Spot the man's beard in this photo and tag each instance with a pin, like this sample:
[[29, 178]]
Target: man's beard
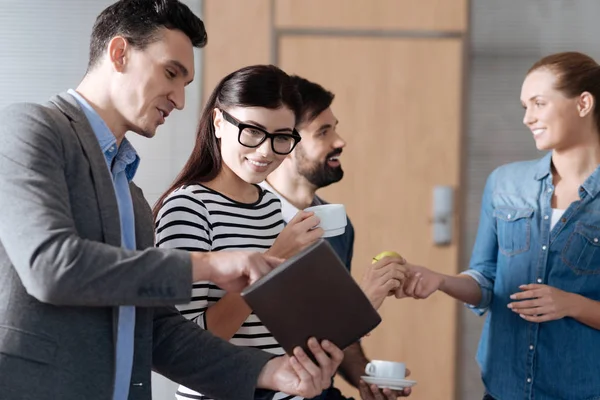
[[318, 173]]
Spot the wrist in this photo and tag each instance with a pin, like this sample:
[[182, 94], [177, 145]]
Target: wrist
[[368, 293], [201, 266], [353, 376], [576, 305], [271, 252], [443, 283], [265, 378], [353, 365]]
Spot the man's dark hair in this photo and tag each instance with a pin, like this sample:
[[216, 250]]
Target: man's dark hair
[[315, 99], [139, 21]]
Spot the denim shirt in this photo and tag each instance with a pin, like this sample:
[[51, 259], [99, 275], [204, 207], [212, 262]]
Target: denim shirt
[[522, 360]]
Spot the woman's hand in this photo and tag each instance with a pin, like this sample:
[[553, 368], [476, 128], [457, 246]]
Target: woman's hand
[[299, 233], [542, 303]]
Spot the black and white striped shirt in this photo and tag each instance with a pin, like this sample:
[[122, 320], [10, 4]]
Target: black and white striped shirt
[[197, 218]]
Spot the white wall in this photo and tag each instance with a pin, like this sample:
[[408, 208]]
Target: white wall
[[44, 51]]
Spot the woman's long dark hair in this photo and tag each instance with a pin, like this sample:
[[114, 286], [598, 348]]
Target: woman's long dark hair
[[254, 86]]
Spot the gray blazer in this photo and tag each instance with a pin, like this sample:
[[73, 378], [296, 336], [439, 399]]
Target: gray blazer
[[62, 274]]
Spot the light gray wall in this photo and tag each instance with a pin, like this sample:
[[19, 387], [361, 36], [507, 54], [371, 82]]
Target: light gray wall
[[507, 37]]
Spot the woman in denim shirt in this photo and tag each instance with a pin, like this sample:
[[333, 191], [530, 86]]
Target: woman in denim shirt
[[535, 266]]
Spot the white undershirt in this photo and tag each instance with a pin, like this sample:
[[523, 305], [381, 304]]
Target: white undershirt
[[556, 214]]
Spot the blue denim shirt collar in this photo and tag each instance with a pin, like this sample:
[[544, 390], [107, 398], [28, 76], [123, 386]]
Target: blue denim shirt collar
[[592, 183], [543, 169]]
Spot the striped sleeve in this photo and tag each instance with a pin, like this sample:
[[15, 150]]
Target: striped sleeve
[[183, 223]]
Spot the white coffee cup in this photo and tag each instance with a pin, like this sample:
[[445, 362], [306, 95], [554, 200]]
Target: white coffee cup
[[386, 369], [333, 218]]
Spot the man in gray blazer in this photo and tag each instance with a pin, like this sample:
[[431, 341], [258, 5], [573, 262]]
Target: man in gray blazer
[[85, 299]]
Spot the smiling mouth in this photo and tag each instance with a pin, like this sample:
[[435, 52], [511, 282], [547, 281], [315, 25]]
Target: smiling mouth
[[537, 132], [333, 162], [163, 113], [258, 164]]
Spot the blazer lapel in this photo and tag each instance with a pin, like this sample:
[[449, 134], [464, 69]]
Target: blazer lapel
[[103, 184], [144, 223], [105, 192]]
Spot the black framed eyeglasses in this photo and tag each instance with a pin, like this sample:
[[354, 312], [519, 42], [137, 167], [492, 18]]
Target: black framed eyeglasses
[[253, 136]]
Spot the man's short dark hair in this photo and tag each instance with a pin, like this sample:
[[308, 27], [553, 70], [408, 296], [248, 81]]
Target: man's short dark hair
[[139, 21], [315, 99]]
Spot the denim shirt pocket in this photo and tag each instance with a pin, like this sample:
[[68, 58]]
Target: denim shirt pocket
[[514, 229], [582, 251]]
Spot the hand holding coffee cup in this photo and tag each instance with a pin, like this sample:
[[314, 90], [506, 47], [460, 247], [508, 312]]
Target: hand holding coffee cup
[[298, 234], [332, 218], [386, 369]]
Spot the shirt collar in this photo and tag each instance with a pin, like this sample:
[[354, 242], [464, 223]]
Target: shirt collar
[[107, 141], [592, 183], [543, 169], [130, 158]]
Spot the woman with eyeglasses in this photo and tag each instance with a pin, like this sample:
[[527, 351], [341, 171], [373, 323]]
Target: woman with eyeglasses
[[215, 204]]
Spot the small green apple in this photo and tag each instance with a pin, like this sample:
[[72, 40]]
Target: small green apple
[[385, 254]]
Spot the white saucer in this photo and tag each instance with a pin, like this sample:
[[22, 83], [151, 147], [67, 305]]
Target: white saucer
[[394, 384]]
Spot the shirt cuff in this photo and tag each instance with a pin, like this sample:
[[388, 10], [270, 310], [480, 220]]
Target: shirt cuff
[[487, 290]]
